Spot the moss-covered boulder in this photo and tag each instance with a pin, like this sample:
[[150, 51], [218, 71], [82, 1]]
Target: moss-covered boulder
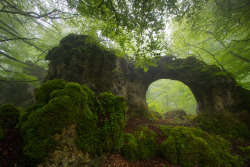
[[9, 116], [98, 122], [226, 124], [141, 145], [190, 146], [179, 114]]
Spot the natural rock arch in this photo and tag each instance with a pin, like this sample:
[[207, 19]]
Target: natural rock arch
[[80, 59]]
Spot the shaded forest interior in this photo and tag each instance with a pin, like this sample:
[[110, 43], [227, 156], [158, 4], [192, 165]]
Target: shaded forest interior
[[124, 83]]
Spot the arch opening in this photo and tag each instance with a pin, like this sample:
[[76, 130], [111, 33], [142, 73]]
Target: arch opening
[[166, 95]]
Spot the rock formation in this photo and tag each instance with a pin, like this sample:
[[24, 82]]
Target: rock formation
[[79, 58], [21, 94]]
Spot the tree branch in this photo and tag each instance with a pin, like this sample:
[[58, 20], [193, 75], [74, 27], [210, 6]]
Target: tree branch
[[207, 52], [230, 52], [12, 58], [21, 39], [11, 39]]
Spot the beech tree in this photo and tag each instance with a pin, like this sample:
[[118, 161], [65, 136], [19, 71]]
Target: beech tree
[[28, 30], [217, 34]]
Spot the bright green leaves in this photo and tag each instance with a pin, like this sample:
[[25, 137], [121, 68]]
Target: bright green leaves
[[167, 95], [216, 33], [135, 27]]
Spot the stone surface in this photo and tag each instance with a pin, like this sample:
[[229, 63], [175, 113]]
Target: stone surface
[[66, 153], [81, 60]]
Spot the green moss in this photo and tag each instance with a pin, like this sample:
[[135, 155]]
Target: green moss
[[111, 112], [246, 149], [225, 124], [169, 151], [190, 146], [147, 145], [42, 95], [61, 104], [130, 147], [9, 116], [140, 145], [1, 133]]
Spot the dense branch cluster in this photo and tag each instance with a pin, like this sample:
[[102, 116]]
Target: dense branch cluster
[[19, 26]]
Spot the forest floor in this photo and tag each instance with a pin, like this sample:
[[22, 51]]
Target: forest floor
[[11, 149], [133, 124], [12, 144]]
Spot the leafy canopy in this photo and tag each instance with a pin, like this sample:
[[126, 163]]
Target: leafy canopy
[[215, 31]]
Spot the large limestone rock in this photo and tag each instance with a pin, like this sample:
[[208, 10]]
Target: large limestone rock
[[79, 58]]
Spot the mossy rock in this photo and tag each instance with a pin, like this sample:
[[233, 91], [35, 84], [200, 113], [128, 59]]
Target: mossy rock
[[61, 104], [111, 112], [141, 145], [225, 123], [190, 146], [42, 95], [130, 147], [9, 116], [179, 114]]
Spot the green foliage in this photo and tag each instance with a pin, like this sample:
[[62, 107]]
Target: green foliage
[[217, 33], [190, 146], [167, 95], [61, 104], [225, 124], [141, 145], [9, 116], [246, 149]]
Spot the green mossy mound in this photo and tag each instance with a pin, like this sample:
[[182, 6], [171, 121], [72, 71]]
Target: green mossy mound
[[99, 120], [42, 95], [190, 146], [226, 124], [9, 116], [141, 145]]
